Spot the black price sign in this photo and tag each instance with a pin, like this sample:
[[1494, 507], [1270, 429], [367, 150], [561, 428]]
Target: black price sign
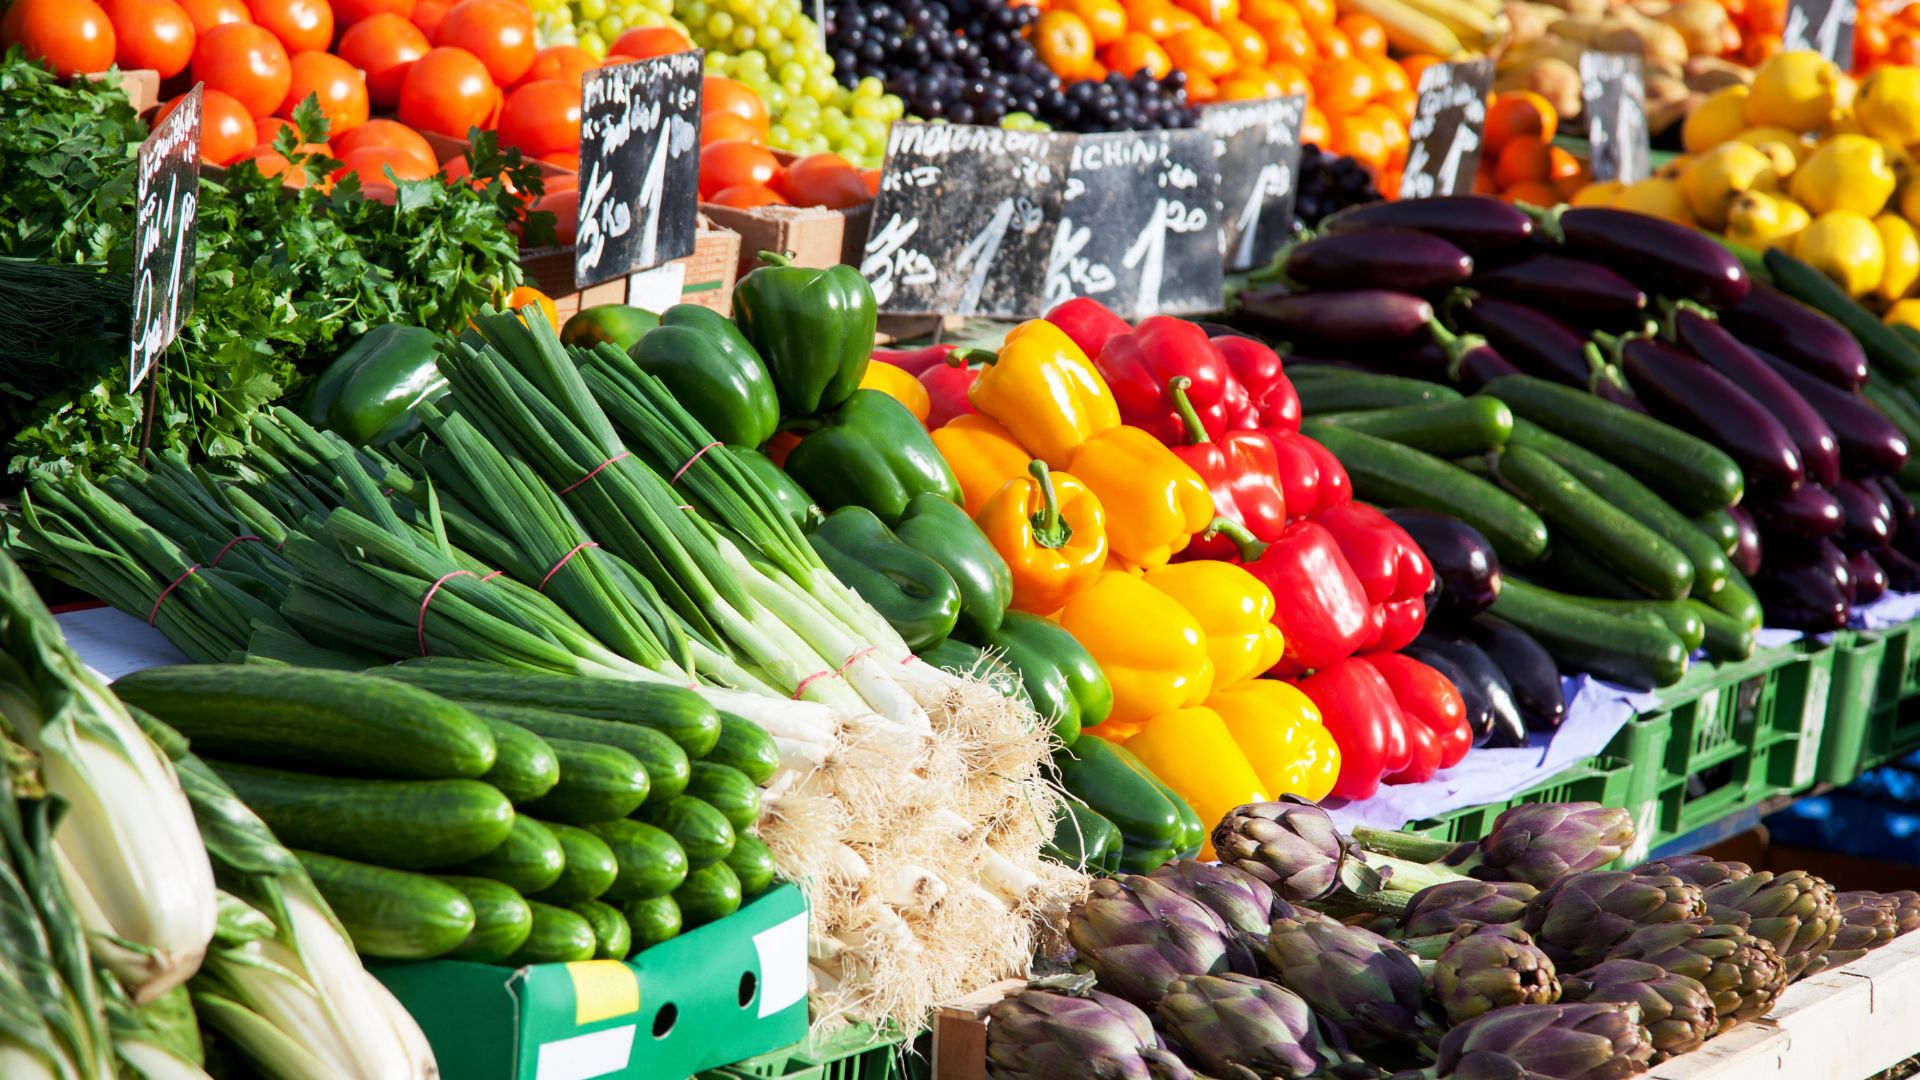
[[1445, 133], [1257, 149], [166, 203], [1825, 26], [1140, 231], [1614, 92], [964, 219], [639, 166]]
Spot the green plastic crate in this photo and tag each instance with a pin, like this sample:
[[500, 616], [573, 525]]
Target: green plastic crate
[[854, 1053], [1868, 669], [1900, 669], [1603, 780]]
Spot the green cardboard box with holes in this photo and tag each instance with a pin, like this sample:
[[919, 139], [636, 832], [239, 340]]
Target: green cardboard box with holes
[[712, 996]]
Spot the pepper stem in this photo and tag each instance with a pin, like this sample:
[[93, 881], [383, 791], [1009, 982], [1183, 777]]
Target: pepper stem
[[970, 356], [776, 258], [1189, 419], [1050, 530], [1250, 546]]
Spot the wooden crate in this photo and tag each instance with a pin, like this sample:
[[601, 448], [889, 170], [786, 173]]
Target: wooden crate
[[813, 236], [705, 277]]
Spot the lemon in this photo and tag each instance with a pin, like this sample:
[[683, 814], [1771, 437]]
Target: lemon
[[1657, 196], [1760, 219], [1712, 180], [1786, 148], [1889, 104], [1900, 247], [1598, 193], [1848, 172], [1846, 247], [1715, 120], [1904, 313], [1910, 203], [1794, 90]]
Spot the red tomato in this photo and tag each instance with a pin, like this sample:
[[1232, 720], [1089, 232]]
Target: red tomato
[[155, 34], [447, 91], [824, 179], [719, 94], [389, 135], [72, 36], [226, 129], [748, 196], [721, 126], [301, 25], [383, 45], [645, 42], [871, 178], [569, 160], [565, 207], [340, 89], [499, 32], [246, 61], [542, 118], [349, 12], [370, 163], [724, 164], [428, 15], [207, 14], [564, 62]]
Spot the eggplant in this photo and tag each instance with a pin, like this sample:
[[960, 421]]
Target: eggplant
[[1480, 718], [1471, 360], [1464, 565], [1869, 580], [1479, 669], [1401, 259], [1661, 256], [1359, 319], [1903, 573], [1720, 350], [1867, 517], [1804, 337], [1808, 513], [1475, 224], [1219, 330], [1869, 443], [1902, 506], [1535, 342], [1572, 289], [1693, 397], [1529, 668], [1747, 551], [1803, 594]]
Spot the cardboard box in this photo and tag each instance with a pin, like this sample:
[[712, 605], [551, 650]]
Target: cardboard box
[[960, 1032], [814, 236], [705, 277], [724, 992]]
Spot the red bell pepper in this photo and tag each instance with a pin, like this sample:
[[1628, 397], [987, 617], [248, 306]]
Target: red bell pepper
[[1400, 622], [1318, 604], [1391, 567], [1271, 401], [1139, 365], [1310, 475], [1427, 698], [915, 361], [1088, 322], [1358, 710], [1243, 473], [1423, 759], [947, 385], [1335, 487]]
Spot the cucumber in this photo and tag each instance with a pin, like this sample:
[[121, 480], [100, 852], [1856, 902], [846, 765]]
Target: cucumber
[[702, 832], [402, 824], [1445, 429], [1193, 831], [1889, 401], [1576, 573], [1677, 616], [651, 921], [727, 790], [1388, 474], [1338, 390], [1626, 651], [710, 893], [1727, 637], [1611, 535], [559, 936], [524, 767], [597, 783], [752, 863], [681, 715], [651, 862], [613, 939], [501, 920], [746, 746], [1718, 527], [266, 714], [1738, 600], [391, 914], [1691, 473], [959, 658], [529, 859], [589, 869], [665, 762], [1886, 350]]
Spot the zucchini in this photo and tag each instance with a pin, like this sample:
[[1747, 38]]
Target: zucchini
[[1719, 527], [612, 938], [752, 863], [702, 832], [651, 922], [1691, 473], [501, 920], [746, 746], [708, 894], [266, 714], [1727, 637], [727, 790], [1611, 535], [1677, 616], [589, 868], [391, 914], [559, 936], [402, 824], [1388, 474], [680, 714], [1339, 390], [665, 762], [1886, 350], [597, 783], [651, 863], [1576, 573], [1445, 429], [1739, 600], [524, 767], [1626, 651], [529, 859]]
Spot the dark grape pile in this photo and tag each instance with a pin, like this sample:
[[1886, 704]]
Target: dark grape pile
[[1328, 183], [968, 61]]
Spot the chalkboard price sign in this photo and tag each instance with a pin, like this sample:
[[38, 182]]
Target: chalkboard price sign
[[1445, 133], [1825, 26], [1614, 92], [1257, 150], [639, 166], [167, 201], [1141, 228], [964, 219]]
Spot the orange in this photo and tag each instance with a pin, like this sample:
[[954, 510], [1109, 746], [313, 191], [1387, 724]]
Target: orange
[[1415, 63], [1759, 48], [1201, 51], [1201, 89], [1316, 12], [1212, 12], [1402, 103], [1268, 10], [1290, 42], [1313, 127], [1391, 129], [1332, 42], [1290, 79], [1360, 138], [1365, 32], [1064, 41], [1343, 86], [1533, 192], [1518, 114], [1249, 84], [1105, 19], [1388, 73], [1154, 18], [1136, 50], [1249, 48], [527, 294], [1561, 165], [72, 36], [1521, 160], [1182, 20]]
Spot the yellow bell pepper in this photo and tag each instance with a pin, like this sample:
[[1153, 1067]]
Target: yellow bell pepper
[[898, 384], [1155, 501], [1148, 646], [1278, 729], [1051, 531], [1235, 611], [983, 456], [1046, 392], [1192, 752]]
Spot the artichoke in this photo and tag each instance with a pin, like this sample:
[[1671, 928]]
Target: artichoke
[[1741, 973], [1539, 843], [1242, 902], [1232, 1022], [1444, 908], [1138, 936], [1906, 910], [1578, 918], [1587, 1041], [1488, 967], [1794, 912], [1364, 986], [1676, 1009], [1700, 870], [1040, 1035], [1292, 846], [1868, 921]]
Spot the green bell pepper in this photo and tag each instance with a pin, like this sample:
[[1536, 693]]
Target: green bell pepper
[[792, 501], [1085, 841], [1193, 831], [908, 589], [959, 658], [1093, 772], [367, 395], [944, 533], [874, 453], [1062, 680], [813, 327], [713, 372]]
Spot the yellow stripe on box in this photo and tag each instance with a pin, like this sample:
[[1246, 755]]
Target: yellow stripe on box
[[603, 989]]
